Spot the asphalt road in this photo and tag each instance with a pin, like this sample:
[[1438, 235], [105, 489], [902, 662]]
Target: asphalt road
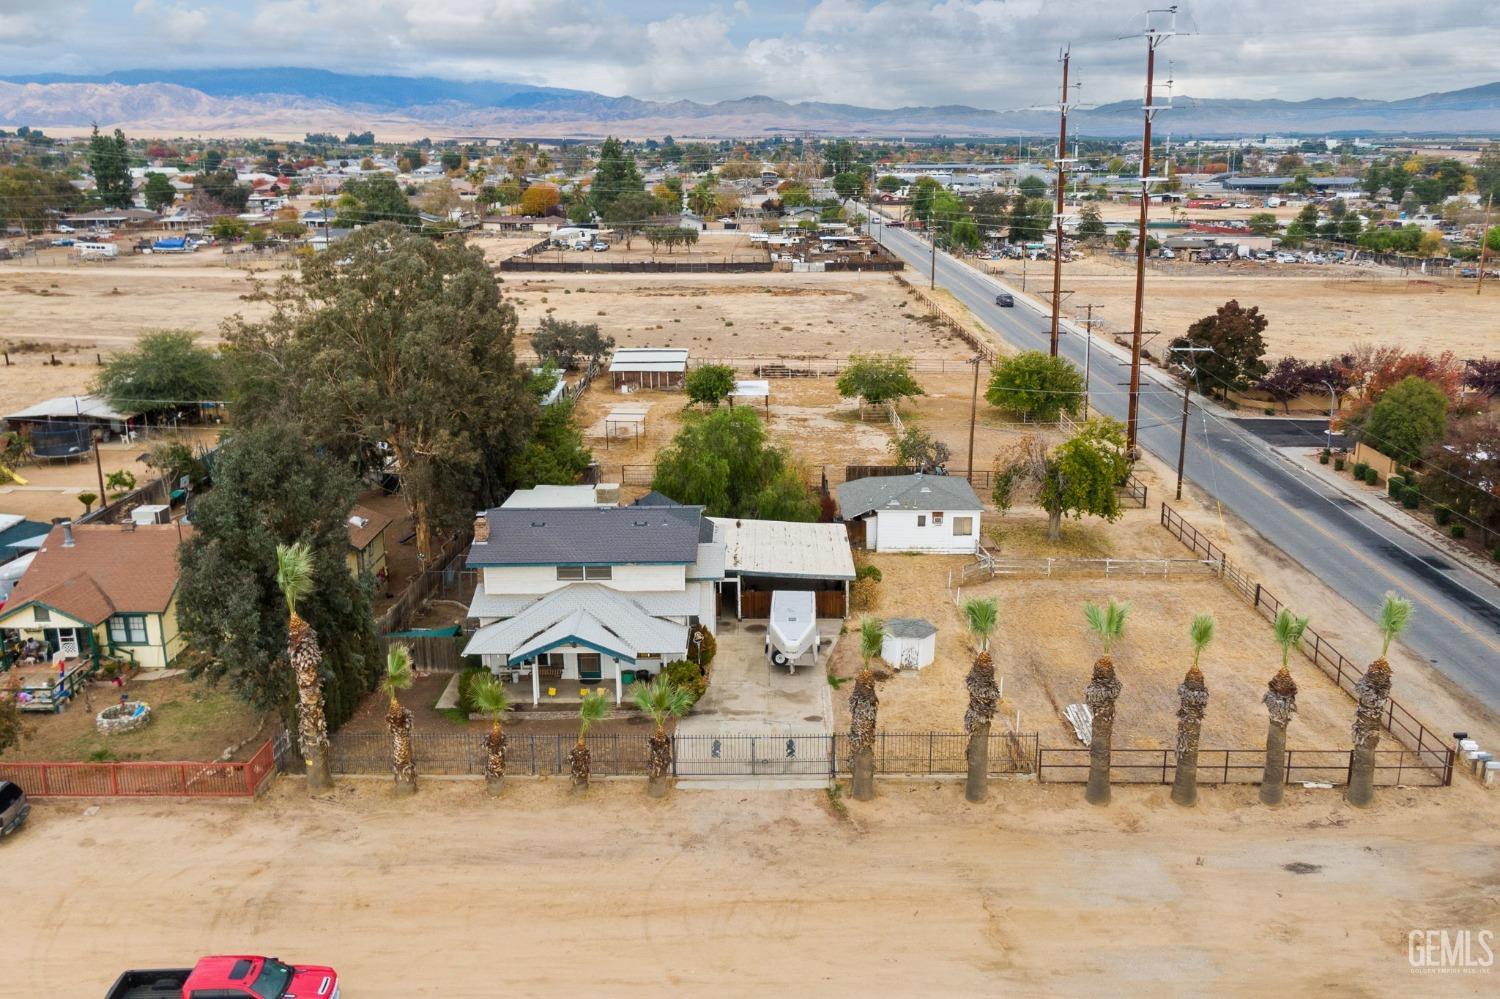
[[1456, 624]]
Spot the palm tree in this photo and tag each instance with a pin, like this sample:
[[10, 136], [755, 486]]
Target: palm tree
[[981, 616], [863, 705], [660, 699], [491, 697], [398, 677], [1374, 690], [1192, 695], [1108, 622], [294, 572], [580, 759], [1281, 703]]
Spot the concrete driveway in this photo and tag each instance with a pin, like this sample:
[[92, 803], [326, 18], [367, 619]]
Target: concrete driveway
[[747, 695]]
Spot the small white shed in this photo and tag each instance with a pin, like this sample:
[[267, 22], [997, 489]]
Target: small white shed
[[910, 642]]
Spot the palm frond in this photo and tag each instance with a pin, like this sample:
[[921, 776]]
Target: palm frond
[[398, 672], [835, 681], [1289, 628], [490, 696], [594, 709], [294, 572], [1108, 622], [1395, 615], [982, 616], [661, 699], [871, 637], [1202, 632]]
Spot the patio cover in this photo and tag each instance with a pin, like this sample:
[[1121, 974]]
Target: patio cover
[[597, 617]]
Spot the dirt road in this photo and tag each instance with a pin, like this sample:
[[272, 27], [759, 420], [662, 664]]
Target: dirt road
[[455, 895]]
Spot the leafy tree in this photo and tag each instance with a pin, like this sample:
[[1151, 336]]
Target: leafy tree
[[228, 227], [88, 500], [272, 489], [400, 348], [916, 448], [709, 384], [1264, 224], [724, 462], [849, 184], [1036, 386], [29, 195], [1122, 240], [964, 234], [13, 728], [703, 199], [1032, 186], [616, 174], [1234, 334], [221, 191], [1090, 223], [922, 194], [628, 213], [158, 192], [670, 236], [367, 200], [556, 454], [452, 160], [1461, 469], [1287, 380], [569, 345], [1409, 417], [212, 159], [1080, 476], [890, 184], [878, 379], [1028, 219], [165, 369], [109, 162]]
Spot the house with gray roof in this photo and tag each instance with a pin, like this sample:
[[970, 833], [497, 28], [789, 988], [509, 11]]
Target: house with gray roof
[[572, 597], [912, 513]]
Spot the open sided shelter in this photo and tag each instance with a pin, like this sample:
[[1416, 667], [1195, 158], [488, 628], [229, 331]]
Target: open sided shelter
[[763, 556], [649, 367]]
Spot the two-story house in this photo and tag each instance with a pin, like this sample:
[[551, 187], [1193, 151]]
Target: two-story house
[[589, 596]]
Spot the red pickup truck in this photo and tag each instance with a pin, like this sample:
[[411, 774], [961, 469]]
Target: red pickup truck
[[229, 977]]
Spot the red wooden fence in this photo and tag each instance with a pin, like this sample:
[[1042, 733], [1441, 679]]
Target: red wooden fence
[[138, 780]]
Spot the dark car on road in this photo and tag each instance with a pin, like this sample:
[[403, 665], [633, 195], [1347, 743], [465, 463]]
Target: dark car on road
[[13, 807], [1005, 301]]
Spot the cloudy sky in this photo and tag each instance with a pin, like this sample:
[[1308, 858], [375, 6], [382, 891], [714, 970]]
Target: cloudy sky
[[989, 53]]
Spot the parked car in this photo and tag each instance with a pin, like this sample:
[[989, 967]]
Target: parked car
[[13, 808], [229, 976], [65, 228], [600, 246], [65, 241], [1005, 301], [1285, 258]]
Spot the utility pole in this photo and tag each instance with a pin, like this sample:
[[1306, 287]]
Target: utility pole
[[1062, 152], [1088, 354], [1192, 373], [973, 414], [932, 281], [1154, 37], [1484, 242]]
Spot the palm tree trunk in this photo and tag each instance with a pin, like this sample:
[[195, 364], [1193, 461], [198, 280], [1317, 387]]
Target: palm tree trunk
[[863, 705], [1193, 701], [312, 725], [658, 764], [1100, 695], [1373, 690], [494, 759], [1281, 703], [977, 754], [402, 765], [580, 759], [983, 694]]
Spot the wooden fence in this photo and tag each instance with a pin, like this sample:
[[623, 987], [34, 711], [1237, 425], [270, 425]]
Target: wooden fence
[[1431, 748], [421, 587], [139, 780]]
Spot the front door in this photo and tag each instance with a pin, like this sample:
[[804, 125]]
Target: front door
[[589, 670]]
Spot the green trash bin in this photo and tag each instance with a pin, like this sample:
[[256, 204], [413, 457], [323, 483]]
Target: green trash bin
[[627, 677]]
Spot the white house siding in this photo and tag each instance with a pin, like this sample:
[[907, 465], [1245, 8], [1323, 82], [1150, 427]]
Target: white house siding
[[898, 531], [708, 607], [541, 579]]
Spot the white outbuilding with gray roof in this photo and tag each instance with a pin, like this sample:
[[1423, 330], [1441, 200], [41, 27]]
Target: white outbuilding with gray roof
[[913, 513]]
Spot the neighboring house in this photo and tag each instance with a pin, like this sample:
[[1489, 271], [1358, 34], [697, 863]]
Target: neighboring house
[[61, 427], [589, 596], [367, 529], [101, 590], [912, 513], [649, 367], [602, 496], [19, 536]]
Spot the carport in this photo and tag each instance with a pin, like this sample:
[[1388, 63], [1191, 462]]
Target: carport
[[763, 556]]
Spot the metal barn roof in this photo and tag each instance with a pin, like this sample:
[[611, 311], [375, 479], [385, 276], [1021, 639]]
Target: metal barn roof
[[649, 359]]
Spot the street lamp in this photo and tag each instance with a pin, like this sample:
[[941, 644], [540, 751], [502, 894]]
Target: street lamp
[[1333, 409]]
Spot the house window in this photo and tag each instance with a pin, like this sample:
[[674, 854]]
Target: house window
[[41, 613], [937, 518], [127, 629], [963, 527], [569, 572], [921, 520], [599, 572]]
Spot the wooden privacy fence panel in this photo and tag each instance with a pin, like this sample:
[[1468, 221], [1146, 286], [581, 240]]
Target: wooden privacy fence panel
[[135, 780], [1431, 748], [430, 653]]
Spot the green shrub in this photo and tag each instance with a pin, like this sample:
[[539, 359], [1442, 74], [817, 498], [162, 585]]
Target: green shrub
[[1360, 468], [1324, 456], [1338, 464], [466, 705], [1372, 476], [868, 572], [1496, 553], [1442, 513], [1395, 486], [1410, 497], [701, 645], [686, 675], [1456, 530]]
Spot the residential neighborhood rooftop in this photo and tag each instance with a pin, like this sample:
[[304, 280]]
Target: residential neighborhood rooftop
[[783, 548], [108, 569], [906, 492], [612, 536]]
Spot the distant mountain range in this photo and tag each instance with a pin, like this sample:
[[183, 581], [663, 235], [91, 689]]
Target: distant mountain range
[[289, 101]]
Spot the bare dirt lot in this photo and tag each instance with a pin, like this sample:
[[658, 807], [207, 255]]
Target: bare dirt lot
[[1032, 893], [1314, 311]]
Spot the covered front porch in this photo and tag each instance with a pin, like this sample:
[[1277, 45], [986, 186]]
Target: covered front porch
[[567, 675]]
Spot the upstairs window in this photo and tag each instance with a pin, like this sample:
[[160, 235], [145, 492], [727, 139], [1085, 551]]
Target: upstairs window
[[599, 572], [569, 572]]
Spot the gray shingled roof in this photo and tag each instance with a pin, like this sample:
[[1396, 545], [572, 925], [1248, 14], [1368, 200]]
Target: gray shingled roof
[[660, 535], [906, 492], [909, 627]]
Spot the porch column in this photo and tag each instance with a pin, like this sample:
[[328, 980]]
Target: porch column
[[619, 686], [536, 684]]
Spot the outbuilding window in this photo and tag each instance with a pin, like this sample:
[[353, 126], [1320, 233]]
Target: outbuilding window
[[963, 527]]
